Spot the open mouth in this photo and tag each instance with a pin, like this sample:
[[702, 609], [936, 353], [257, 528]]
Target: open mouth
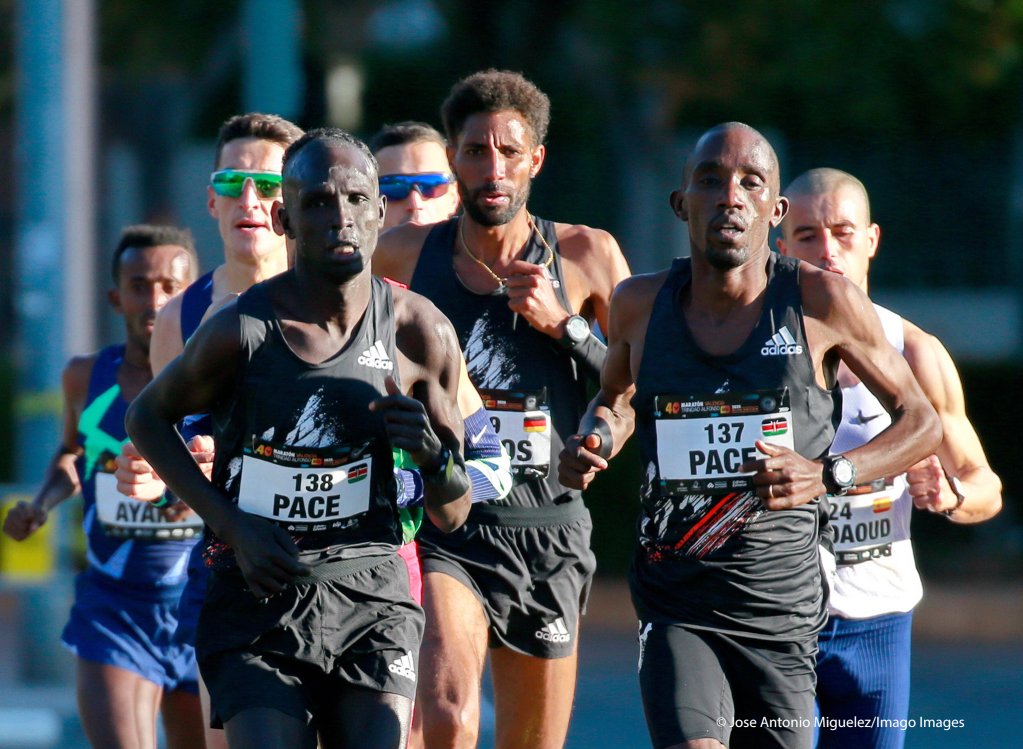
[[728, 229], [344, 249], [249, 226]]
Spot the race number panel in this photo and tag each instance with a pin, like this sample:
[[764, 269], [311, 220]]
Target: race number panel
[[522, 421], [702, 441], [306, 489], [124, 517], [864, 526]]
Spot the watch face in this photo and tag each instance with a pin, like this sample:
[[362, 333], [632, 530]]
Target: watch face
[[842, 471], [577, 328]]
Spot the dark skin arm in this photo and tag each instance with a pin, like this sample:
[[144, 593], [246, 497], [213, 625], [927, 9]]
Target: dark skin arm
[[840, 321], [585, 453], [61, 478], [194, 383], [430, 364]]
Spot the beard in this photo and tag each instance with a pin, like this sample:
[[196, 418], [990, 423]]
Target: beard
[[492, 216], [727, 258]]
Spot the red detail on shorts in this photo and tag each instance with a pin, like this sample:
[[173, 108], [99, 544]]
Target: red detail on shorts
[[410, 555]]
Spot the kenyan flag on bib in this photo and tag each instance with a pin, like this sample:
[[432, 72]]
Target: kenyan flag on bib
[[774, 427]]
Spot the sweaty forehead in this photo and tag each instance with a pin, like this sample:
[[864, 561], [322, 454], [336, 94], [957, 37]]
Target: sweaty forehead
[[323, 160], [504, 126], [735, 147], [843, 204]]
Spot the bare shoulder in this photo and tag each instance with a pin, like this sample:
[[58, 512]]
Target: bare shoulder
[[424, 333], [397, 251], [932, 365], [75, 379], [219, 335], [631, 305], [78, 369], [833, 299], [425, 339], [637, 293], [171, 311], [167, 341], [584, 244]]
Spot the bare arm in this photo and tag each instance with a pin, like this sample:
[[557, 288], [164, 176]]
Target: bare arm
[[61, 478], [960, 454], [194, 383], [428, 424], [915, 430], [609, 421]]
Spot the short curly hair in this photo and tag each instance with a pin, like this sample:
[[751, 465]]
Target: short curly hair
[[494, 91], [144, 236]]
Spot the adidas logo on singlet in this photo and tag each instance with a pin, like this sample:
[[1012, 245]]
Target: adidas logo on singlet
[[781, 344], [375, 356], [556, 631], [404, 666]]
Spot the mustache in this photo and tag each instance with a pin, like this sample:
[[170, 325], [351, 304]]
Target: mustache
[[733, 220], [493, 187]]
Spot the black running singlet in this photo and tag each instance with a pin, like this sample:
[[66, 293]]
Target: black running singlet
[[298, 445], [526, 378], [710, 555]]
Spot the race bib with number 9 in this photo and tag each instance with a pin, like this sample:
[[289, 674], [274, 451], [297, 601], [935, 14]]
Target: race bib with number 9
[[522, 422]]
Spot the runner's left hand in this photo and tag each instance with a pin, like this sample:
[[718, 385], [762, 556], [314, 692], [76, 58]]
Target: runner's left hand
[[784, 479], [928, 486], [408, 426]]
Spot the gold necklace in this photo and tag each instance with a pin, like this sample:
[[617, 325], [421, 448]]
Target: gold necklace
[[502, 283]]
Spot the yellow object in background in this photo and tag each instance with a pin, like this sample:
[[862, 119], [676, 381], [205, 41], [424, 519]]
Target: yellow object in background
[[32, 560]]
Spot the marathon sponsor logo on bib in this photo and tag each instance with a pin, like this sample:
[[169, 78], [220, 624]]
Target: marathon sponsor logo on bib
[[702, 441], [124, 517], [306, 489], [865, 526], [522, 422]]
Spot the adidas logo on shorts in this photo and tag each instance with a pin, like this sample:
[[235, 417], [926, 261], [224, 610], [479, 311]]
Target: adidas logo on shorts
[[404, 666], [556, 631], [781, 344], [376, 357]]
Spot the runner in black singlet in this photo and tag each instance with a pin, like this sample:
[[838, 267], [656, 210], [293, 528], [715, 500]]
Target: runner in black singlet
[[725, 366], [522, 293], [308, 631]]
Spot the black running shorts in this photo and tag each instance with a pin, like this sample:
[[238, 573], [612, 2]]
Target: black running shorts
[[744, 692], [355, 623], [530, 568]]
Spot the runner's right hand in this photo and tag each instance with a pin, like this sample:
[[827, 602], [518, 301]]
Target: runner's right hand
[[23, 520], [266, 554], [136, 478], [580, 461]]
